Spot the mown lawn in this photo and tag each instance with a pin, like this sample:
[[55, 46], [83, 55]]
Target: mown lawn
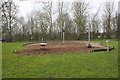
[[67, 65]]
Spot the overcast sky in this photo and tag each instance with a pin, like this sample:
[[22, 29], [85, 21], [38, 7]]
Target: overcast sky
[[27, 6]]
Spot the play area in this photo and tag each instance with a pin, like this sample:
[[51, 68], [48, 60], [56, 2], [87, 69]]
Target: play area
[[52, 48]]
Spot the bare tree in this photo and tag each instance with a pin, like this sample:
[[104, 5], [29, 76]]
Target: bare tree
[[63, 15], [47, 8], [95, 24], [114, 27], [118, 21], [80, 16], [107, 16], [9, 11], [42, 24]]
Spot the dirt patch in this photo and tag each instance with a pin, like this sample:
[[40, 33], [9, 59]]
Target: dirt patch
[[61, 48]]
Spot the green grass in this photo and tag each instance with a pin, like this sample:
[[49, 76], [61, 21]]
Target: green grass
[[66, 65]]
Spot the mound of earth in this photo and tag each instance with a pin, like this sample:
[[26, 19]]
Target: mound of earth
[[62, 48]]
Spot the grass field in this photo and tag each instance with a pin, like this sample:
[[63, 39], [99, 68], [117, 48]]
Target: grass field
[[67, 65]]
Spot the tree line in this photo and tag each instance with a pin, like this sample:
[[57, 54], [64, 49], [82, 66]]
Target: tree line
[[61, 24]]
